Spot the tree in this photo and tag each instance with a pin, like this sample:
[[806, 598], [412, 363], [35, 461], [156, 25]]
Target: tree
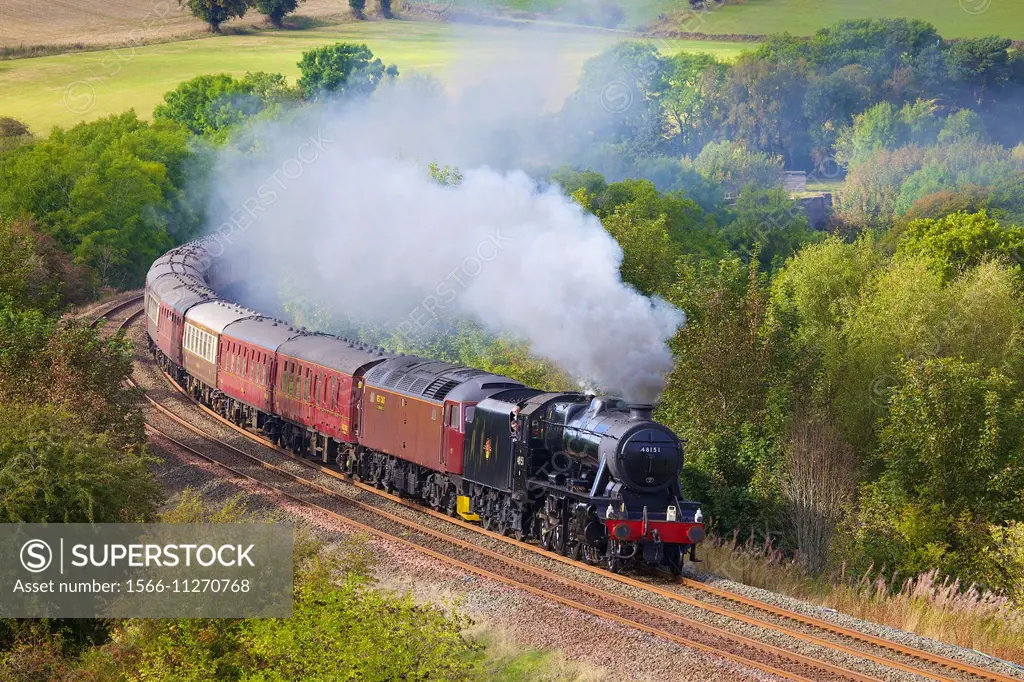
[[616, 102], [449, 176], [688, 99], [34, 272], [342, 69], [763, 105], [770, 225], [959, 241], [52, 470], [818, 487], [385, 8], [963, 125], [982, 65], [216, 12], [723, 395], [831, 102], [969, 199], [681, 176], [275, 10], [873, 130], [689, 229], [358, 7], [884, 127], [950, 446], [880, 45], [960, 164], [734, 166], [649, 256], [109, 191], [873, 186], [817, 287], [67, 366], [212, 104]]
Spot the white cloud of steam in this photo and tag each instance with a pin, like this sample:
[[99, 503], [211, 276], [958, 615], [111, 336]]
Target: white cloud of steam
[[339, 200]]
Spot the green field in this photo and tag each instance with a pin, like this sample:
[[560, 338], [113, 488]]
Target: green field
[[65, 89], [952, 18]]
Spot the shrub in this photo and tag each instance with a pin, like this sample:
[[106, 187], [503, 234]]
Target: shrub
[[276, 10]]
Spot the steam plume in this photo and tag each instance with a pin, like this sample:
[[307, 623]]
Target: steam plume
[[340, 200]]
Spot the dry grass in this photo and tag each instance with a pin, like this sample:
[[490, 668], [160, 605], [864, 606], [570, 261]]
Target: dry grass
[[69, 25], [504, 658], [942, 610]]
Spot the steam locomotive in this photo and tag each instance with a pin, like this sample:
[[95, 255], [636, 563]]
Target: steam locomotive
[[586, 476]]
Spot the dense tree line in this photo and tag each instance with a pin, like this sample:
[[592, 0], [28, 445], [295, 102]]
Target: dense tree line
[[792, 98]]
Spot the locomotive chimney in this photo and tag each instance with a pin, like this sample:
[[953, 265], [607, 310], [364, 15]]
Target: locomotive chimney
[[640, 412]]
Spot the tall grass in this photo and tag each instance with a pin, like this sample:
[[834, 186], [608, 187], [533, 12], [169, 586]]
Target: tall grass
[[927, 605]]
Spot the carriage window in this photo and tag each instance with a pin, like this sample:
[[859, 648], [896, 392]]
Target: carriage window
[[469, 414], [334, 392], [305, 386]]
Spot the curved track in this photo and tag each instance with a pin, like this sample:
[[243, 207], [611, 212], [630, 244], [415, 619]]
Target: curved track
[[472, 558]]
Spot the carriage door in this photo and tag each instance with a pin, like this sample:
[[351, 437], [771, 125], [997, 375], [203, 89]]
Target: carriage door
[[451, 443]]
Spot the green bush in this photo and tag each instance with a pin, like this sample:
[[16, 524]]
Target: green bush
[[342, 69], [53, 470]]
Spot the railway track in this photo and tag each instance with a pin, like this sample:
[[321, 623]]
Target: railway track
[[116, 313], [473, 558]]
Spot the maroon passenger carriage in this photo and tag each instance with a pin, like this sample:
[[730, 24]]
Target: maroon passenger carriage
[[590, 477]]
